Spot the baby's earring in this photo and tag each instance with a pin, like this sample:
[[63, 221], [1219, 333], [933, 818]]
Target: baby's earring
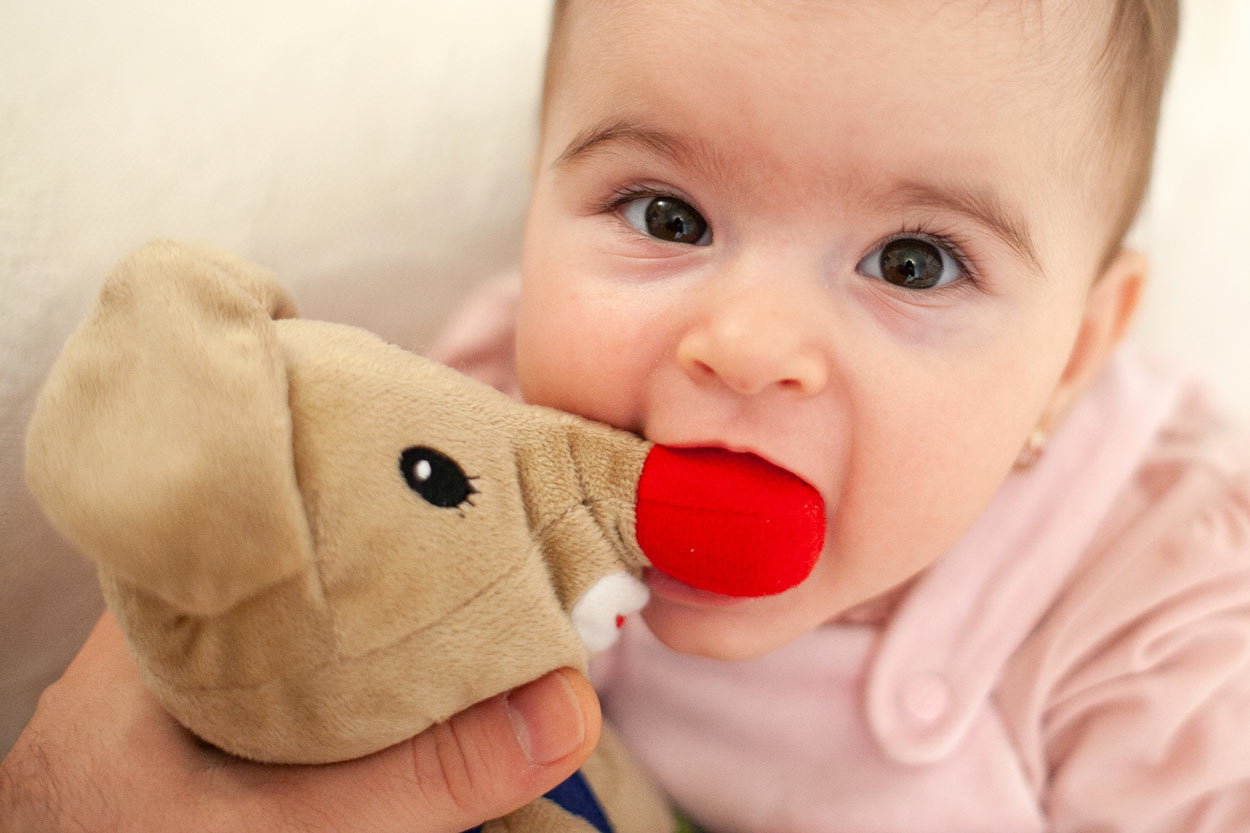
[[1034, 446]]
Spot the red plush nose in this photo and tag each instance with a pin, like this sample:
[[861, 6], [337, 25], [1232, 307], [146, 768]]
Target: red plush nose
[[729, 523]]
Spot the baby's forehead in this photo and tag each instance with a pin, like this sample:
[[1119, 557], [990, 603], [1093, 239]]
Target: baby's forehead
[[1044, 48], [1057, 21], [1048, 36]]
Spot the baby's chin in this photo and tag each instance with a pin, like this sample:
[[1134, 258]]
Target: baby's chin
[[743, 630]]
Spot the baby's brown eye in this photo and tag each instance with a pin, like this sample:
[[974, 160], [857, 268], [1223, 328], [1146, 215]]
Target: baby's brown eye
[[912, 263], [667, 218]]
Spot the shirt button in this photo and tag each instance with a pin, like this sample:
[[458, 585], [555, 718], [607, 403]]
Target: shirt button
[[926, 697]]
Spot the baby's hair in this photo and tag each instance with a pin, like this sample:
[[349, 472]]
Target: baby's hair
[[1133, 69], [1130, 73]]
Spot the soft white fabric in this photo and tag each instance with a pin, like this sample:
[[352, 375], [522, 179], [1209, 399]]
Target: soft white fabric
[[374, 154]]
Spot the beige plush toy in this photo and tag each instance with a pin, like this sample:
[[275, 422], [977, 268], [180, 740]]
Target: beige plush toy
[[318, 544]]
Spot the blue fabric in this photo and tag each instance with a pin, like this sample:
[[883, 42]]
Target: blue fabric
[[575, 797]]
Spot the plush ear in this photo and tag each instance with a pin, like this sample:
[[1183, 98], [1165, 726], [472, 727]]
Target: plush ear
[[160, 445]]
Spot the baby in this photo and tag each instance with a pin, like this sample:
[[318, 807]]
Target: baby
[[880, 244], [875, 243]]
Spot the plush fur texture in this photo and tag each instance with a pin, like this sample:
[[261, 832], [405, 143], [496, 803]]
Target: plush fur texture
[[302, 574]]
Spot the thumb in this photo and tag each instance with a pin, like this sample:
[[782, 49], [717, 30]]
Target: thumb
[[482, 763]]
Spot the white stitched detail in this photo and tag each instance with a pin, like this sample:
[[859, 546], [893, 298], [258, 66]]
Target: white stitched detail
[[599, 614]]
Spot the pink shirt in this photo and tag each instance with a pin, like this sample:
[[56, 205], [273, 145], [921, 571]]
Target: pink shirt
[[1080, 661]]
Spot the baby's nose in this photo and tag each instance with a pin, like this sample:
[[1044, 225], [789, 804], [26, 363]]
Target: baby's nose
[[749, 345]]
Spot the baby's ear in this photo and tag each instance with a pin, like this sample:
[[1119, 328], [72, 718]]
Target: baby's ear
[[1112, 302], [161, 445]]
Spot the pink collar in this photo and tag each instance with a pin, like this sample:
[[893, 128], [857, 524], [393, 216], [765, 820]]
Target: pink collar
[[949, 639]]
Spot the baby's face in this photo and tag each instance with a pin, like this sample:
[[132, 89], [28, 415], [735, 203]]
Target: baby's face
[[850, 237]]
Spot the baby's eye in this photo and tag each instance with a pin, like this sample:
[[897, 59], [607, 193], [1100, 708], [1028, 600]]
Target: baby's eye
[[667, 218], [912, 263]]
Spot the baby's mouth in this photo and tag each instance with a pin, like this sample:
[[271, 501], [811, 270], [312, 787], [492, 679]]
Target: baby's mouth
[[664, 586], [728, 523]]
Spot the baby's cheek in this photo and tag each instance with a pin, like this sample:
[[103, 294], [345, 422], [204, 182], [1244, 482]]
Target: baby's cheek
[[569, 368], [541, 375], [589, 339]]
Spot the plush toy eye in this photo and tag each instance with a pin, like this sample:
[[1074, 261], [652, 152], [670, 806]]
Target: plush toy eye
[[435, 477]]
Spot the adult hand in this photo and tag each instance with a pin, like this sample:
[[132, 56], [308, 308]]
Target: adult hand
[[101, 754]]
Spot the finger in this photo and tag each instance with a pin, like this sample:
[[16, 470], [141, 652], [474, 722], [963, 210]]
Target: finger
[[103, 654], [102, 688], [481, 764]]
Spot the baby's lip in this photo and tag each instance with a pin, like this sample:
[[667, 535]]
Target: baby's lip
[[664, 586], [728, 522]]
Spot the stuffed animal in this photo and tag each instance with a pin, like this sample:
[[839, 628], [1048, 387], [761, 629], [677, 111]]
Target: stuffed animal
[[318, 544]]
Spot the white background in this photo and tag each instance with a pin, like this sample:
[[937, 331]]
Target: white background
[[1197, 221]]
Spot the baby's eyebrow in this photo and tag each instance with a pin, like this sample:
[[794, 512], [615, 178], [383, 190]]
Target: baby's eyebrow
[[612, 132], [978, 204], [617, 132]]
